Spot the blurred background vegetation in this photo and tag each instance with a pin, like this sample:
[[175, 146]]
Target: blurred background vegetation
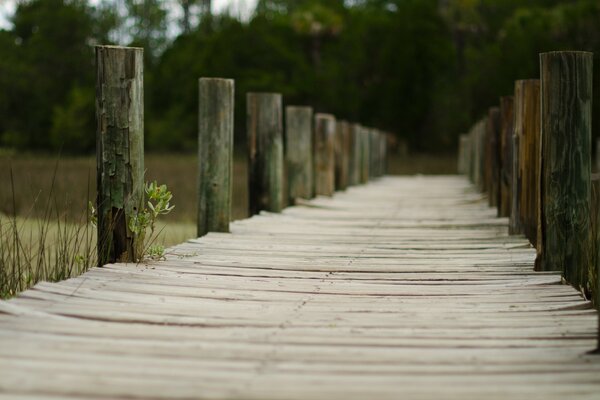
[[423, 69]]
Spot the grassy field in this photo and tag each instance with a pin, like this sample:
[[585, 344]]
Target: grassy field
[[45, 232]]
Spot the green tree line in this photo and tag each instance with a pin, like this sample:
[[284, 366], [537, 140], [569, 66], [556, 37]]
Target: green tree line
[[423, 69]]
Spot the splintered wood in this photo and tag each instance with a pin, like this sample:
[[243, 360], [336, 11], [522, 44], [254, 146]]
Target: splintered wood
[[406, 288]]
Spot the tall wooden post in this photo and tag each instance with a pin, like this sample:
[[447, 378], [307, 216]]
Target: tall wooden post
[[373, 153], [364, 154], [354, 152], [462, 159], [265, 152], [342, 156], [566, 111], [119, 151], [215, 154], [506, 131], [527, 128], [383, 153], [324, 154], [299, 152], [493, 154]]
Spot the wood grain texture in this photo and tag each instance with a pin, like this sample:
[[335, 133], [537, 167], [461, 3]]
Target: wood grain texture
[[265, 152], [506, 132], [527, 128], [419, 295], [119, 150], [324, 154], [299, 152], [566, 99], [215, 154]]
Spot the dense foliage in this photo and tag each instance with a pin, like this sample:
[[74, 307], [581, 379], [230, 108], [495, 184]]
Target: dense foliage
[[424, 69]]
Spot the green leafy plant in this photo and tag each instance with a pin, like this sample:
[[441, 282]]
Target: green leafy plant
[[158, 202]]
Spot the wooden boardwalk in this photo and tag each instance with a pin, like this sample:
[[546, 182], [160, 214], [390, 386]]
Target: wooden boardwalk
[[406, 288]]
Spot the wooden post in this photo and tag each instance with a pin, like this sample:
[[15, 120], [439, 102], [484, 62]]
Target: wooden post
[[342, 156], [598, 155], [364, 155], [324, 154], [462, 159], [354, 155], [383, 153], [566, 115], [506, 131], [265, 152], [119, 151], [493, 154], [215, 154], [593, 281], [527, 128], [479, 151], [514, 223], [299, 152], [372, 134]]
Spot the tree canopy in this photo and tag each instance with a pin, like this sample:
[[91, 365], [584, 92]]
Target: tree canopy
[[423, 69]]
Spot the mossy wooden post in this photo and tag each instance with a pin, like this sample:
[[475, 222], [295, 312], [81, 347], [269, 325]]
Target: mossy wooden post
[[527, 128], [119, 151], [215, 154], [342, 142], [265, 152], [566, 116], [364, 154], [299, 152], [479, 151], [506, 131], [354, 154], [493, 163], [324, 154]]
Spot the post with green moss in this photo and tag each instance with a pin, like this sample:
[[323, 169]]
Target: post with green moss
[[566, 125], [119, 151], [215, 154], [299, 153], [373, 153], [324, 154], [265, 152]]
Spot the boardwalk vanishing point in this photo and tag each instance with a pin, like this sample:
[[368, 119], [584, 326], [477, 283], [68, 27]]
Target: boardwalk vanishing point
[[405, 288]]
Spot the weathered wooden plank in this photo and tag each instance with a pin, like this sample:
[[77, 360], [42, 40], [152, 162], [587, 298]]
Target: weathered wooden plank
[[327, 299]]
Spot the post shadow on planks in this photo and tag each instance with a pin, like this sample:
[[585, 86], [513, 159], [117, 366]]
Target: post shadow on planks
[[320, 156], [535, 159]]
